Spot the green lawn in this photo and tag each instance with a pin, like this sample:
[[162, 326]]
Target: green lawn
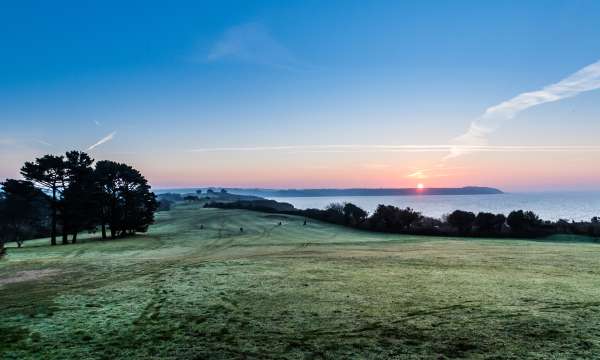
[[293, 291]]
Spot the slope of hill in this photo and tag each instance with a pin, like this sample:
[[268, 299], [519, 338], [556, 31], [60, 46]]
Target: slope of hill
[[198, 286]]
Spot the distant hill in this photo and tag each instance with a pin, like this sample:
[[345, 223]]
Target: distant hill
[[468, 190], [180, 194]]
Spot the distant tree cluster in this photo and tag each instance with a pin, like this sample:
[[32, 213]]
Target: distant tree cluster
[[164, 205], [191, 198], [67, 195], [171, 197], [391, 219], [263, 205]]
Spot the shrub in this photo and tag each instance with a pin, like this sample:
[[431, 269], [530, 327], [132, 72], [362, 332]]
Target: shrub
[[462, 220]]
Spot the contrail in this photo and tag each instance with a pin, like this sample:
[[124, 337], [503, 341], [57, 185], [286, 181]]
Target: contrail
[[406, 148], [43, 142], [586, 79], [107, 138]]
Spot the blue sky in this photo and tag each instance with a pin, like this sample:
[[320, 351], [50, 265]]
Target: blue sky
[[269, 82]]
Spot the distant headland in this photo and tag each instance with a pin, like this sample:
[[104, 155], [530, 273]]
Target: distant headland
[[467, 190]]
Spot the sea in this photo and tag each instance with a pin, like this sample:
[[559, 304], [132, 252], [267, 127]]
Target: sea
[[577, 206]]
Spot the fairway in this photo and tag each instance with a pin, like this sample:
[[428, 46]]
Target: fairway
[[221, 284]]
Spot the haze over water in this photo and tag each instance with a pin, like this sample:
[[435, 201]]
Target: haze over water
[[549, 206]]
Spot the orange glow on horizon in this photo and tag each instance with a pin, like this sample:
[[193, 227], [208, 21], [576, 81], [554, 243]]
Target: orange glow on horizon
[[524, 172]]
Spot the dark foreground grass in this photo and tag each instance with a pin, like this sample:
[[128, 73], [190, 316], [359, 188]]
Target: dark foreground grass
[[297, 292]]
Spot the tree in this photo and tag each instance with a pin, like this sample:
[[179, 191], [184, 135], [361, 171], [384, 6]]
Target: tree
[[484, 222], [80, 198], [461, 220], [106, 176], [173, 197], [383, 218], [523, 221], [49, 173], [595, 226], [562, 226], [138, 202], [353, 215], [3, 225], [191, 198], [488, 223], [392, 218], [334, 213], [112, 194], [499, 221], [126, 203], [407, 217], [22, 210]]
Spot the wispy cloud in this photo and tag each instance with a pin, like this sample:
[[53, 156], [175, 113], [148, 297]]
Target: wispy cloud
[[97, 123], [326, 148], [406, 148], [105, 139], [419, 174], [435, 172], [42, 142], [586, 79], [253, 43]]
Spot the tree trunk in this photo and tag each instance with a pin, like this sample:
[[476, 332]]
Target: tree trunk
[[103, 231], [74, 241], [65, 225], [53, 232], [113, 218], [17, 236], [16, 229]]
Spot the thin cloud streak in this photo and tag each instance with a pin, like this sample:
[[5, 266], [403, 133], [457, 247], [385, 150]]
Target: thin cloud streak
[[584, 80], [406, 148], [105, 139], [432, 173], [419, 174], [42, 142], [253, 43]]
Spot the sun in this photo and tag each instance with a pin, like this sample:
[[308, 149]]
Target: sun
[[420, 186]]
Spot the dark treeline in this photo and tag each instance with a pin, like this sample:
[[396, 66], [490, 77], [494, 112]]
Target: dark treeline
[[66, 195], [391, 219]]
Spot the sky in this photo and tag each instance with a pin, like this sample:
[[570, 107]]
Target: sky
[[303, 94]]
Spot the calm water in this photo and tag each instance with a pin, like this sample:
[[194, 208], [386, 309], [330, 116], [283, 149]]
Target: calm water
[[549, 206]]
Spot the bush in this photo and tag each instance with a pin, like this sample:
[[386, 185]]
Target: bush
[[462, 221], [522, 222], [393, 219], [488, 223], [353, 215]]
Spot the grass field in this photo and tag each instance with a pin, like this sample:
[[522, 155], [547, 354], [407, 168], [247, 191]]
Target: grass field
[[297, 292]]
